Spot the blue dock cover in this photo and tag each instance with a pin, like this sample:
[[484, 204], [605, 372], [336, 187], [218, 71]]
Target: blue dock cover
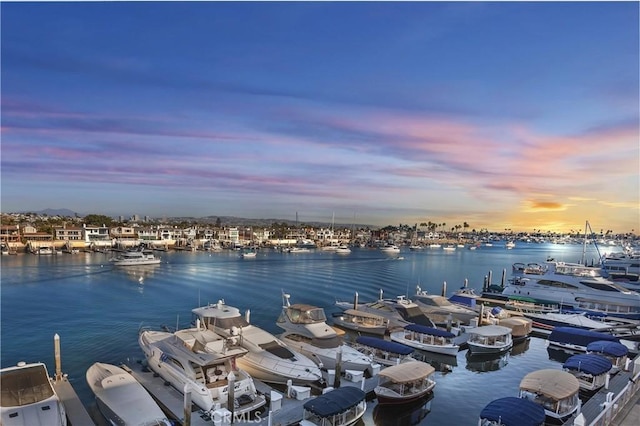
[[608, 348], [384, 345], [335, 402], [589, 363], [428, 330], [512, 411], [578, 336]]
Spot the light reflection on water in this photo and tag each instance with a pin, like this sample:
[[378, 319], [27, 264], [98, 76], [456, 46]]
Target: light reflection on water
[[97, 309]]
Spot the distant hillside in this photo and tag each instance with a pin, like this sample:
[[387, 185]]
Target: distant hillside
[[56, 212]]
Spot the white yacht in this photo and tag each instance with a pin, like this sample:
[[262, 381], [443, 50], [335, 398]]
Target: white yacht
[[439, 308], [136, 257], [121, 399], [307, 331], [204, 363], [28, 397], [390, 249], [268, 358], [343, 249], [572, 285]]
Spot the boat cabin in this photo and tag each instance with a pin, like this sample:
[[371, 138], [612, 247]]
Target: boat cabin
[[557, 391], [615, 352], [512, 411], [338, 407], [591, 370]]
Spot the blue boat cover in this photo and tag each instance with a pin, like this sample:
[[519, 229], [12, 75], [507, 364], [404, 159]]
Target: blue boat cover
[[335, 402], [608, 348], [512, 411], [589, 363], [463, 300], [578, 336], [385, 345], [428, 330]]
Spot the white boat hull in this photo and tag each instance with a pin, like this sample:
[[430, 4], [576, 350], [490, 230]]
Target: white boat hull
[[439, 349]]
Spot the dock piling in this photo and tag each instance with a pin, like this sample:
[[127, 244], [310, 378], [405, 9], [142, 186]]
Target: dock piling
[[336, 379], [444, 289], [187, 406], [355, 301], [504, 278], [56, 351], [231, 378]]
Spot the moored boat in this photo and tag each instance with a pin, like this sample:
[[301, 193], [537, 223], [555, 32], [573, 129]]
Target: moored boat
[[439, 308], [615, 352], [591, 370], [577, 339], [28, 397], [557, 391], [427, 339], [404, 382], [512, 411], [360, 321], [489, 339], [136, 257], [121, 399], [383, 351], [338, 407]]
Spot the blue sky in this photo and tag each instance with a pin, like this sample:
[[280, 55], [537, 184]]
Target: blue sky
[[502, 115]]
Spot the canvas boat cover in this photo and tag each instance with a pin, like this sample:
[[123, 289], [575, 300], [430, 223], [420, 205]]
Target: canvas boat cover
[[608, 348], [407, 372], [552, 383], [429, 330], [356, 313], [490, 331], [512, 411], [588, 363], [385, 345], [335, 402], [578, 336]]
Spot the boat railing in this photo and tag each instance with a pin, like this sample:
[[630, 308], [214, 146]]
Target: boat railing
[[617, 404]]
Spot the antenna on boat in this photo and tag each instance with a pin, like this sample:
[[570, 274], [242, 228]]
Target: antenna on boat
[[285, 299]]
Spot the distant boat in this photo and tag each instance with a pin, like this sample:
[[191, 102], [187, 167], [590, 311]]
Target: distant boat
[[136, 257], [121, 399], [390, 249], [342, 249]]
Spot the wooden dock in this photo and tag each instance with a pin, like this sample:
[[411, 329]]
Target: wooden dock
[[76, 413]]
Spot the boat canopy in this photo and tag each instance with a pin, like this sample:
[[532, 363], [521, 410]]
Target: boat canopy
[[552, 383], [490, 330], [512, 411], [429, 330], [385, 345], [335, 402], [588, 363], [579, 336], [357, 313], [407, 372], [608, 348]]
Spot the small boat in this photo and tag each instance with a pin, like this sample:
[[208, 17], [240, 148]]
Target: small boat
[[439, 307], [251, 254], [203, 363], [427, 339], [615, 352], [361, 321], [577, 339], [390, 249], [28, 397], [269, 358], [489, 339], [121, 399], [521, 327], [557, 391], [449, 247], [136, 257], [306, 330], [383, 351], [342, 249], [404, 382], [512, 411], [591, 370], [339, 407]]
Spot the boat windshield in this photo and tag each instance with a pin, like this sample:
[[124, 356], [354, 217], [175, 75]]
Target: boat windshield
[[278, 350], [25, 386], [306, 315], [226, 323]]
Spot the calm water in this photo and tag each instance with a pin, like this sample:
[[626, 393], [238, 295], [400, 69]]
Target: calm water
[[97, 309]]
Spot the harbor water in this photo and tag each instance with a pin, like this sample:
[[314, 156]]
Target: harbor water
[[97, 309]]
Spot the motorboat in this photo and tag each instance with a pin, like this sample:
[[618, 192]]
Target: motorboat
[[204, 363], [591, 370], [624, 266], [248, 254], [306, 330], [557, 391], [512, 411], [362, 322], [122, 399], [390, 249], [269, 358], [577, 339], [488, 339], [404, 382], [342, 249], [521, 327], [29, 398], [615, 352], [427, 339], [572, 286], [135, 258], [383, 351], [338, 407], [440, 309], [547, 319]]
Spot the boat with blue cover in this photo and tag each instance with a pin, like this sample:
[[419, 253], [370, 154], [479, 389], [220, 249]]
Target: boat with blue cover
[[339, 407], [383, 351], [577, 339], [512, 411], [591, 370], [615, 352], [427, 339]]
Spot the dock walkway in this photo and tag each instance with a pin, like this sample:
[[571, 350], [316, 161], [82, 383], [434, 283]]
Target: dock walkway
[[76, 413]]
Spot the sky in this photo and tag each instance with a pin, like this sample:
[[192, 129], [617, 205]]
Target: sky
[[503, 115]]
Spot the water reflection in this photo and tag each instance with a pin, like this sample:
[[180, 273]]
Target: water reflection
[[520, 347], [482, 363], [138, 274], [442, 363], [560, 355], [403, 414]]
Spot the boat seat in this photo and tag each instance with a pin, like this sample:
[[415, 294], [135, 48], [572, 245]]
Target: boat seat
[[217, 384]]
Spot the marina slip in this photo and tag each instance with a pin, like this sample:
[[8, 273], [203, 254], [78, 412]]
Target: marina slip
[[100, 309]]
